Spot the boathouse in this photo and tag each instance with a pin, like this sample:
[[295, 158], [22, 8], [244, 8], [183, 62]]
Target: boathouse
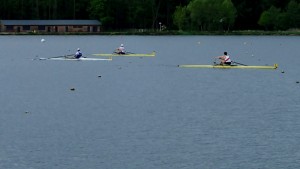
[[50, 26]]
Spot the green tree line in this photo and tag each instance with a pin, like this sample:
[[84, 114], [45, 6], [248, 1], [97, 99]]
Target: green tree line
[[199, 15]]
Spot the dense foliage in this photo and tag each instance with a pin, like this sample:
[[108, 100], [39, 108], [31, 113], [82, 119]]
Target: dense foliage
[[275, 18], [167, 14]]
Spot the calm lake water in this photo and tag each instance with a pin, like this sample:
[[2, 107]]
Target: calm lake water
[[146, 113]]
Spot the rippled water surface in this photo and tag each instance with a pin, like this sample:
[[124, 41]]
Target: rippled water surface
[[148, 113]]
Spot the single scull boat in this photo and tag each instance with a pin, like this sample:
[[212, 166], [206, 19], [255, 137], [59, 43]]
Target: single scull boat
[[127, 54], [275, 66], [74, 59]]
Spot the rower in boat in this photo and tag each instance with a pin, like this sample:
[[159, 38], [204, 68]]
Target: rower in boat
[[224, 59], [121, 50], [78, 54], [129, 54], [275, 66]]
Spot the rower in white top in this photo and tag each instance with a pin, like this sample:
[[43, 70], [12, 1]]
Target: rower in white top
[[224, 59], [121, 50]]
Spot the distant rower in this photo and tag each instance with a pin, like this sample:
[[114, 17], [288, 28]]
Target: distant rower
[[121, 50], [78, 54], [224, 59]]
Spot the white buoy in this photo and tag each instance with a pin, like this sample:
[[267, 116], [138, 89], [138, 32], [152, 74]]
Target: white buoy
[[43, 40]]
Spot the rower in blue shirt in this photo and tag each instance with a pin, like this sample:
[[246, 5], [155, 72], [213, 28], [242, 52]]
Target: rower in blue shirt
[[78, 54]]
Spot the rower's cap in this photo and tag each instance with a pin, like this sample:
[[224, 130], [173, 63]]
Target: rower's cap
[[225, 53], [78, 49], [122, 45]]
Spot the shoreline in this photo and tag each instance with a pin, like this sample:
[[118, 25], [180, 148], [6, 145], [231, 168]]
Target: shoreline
[[161, 33]]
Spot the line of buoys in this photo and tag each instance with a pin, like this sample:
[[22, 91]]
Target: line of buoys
[[296, 81]]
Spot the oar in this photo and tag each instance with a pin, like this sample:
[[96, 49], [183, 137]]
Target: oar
[[239, 63], [62, 56], [116, 52], [129, 53]]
